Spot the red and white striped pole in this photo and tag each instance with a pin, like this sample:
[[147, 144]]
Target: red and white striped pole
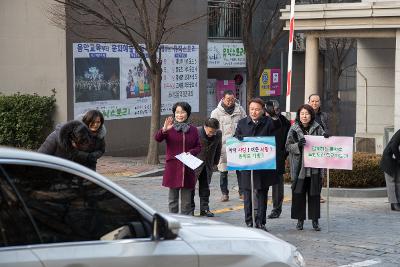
[[289, 67]]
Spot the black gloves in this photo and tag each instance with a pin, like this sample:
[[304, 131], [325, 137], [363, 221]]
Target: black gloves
[[326, 135], [92, 157], [239, 137], [302, 142]]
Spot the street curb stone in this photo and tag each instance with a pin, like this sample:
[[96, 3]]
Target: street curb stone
[[355, 192]]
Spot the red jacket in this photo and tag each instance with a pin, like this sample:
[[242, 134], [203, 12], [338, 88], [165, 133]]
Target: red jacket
[[176, 174]]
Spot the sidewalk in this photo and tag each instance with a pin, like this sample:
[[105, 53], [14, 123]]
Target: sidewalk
[[128, 166]]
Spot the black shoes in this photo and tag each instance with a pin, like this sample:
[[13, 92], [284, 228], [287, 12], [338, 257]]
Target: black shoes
[[315, 225], [206, 213], [300, 224], [395, 206], [262, 227], [273, 215]]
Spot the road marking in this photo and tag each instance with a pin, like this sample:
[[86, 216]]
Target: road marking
[[362, 263], [239, 207]]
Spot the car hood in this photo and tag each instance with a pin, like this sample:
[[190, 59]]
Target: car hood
[[244, 245]]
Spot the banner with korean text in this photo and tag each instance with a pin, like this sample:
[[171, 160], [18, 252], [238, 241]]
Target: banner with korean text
[[328, 153], [253, 153], [112, 78]]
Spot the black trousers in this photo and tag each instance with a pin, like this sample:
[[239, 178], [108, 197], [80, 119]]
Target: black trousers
[[277, 195], [204, 192], [261, 212], [299, 203]]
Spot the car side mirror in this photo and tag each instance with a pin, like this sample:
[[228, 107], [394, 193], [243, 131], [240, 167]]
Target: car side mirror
[[165, 227]]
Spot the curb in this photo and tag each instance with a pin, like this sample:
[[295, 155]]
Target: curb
[[355, 192], [152, 173]]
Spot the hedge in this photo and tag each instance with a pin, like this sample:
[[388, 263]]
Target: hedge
[[25, 120], [366, 173]]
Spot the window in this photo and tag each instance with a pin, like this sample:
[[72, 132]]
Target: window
[[43, 205]]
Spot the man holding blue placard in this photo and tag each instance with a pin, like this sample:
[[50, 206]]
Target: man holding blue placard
[[256, 124]]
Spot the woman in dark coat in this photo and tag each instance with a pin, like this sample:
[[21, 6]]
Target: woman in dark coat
[[390, 164], [305, 181], [94, 120], [180, 137], [67, 141], [256, 124]]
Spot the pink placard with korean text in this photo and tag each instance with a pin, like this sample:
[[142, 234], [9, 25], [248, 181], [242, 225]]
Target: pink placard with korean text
[[328, 153]]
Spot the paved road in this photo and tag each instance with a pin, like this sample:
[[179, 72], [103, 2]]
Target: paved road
[[363, 232]]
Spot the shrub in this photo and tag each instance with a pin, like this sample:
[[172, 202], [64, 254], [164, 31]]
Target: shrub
[[366, 173], [25, 119]]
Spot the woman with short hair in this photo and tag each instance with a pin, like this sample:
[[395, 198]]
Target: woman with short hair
[[180, 137], [305, 181]]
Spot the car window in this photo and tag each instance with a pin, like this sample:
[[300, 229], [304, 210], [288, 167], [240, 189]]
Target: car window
[[43, 205]]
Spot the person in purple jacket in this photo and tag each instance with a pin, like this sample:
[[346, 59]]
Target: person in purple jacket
[[180, 137]]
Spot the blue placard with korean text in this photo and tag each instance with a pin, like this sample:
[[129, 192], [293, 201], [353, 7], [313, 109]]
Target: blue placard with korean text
[[252, 153]]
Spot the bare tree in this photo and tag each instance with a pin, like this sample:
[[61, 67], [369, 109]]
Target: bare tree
[[144, 24], [261, 30], [336, 50]]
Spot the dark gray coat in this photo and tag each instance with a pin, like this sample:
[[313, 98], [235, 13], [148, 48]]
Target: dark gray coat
[[389, 164], [210, 152], [297, 169], [59, 144]]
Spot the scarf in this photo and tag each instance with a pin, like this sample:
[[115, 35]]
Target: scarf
[[181, 126], [228, 110]]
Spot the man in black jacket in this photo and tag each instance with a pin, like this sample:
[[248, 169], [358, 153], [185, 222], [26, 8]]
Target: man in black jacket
[[281, 129], [211, 143], [256, 124]]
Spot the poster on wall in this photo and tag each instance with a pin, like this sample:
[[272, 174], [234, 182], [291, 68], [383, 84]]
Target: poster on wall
[[211, 100], [270, 82], [224, 85], [113, 78], [226, 55]]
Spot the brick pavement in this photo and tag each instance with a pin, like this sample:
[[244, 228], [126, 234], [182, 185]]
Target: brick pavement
[[126, 166], [363, 232]]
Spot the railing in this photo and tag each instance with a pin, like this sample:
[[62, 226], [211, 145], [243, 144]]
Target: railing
[[224, 20]]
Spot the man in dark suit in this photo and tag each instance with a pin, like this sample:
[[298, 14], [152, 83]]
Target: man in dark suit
[[211, 143]]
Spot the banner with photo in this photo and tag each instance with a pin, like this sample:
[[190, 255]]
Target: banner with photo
[[112, 78]]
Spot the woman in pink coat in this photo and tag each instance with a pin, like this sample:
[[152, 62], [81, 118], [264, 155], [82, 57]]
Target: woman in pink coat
[[180, 137]]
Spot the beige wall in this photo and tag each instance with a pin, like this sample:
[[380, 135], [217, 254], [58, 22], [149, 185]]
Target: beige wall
[[375, 60], [32, 52]]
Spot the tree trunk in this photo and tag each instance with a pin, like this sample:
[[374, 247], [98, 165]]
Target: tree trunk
[[155, 88], [250, 83], [334, 114]]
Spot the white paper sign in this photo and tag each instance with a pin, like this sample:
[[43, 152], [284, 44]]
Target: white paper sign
[[189, 160]]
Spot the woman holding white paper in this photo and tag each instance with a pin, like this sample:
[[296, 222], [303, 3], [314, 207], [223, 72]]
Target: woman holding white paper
[[180, 137], [305, 181]]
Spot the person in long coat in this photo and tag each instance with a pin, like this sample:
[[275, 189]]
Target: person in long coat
[[256, 124], [180, 137], [306, 182], [281, 129], [390, 165], [228, 113], [67, 141], [211, 143]]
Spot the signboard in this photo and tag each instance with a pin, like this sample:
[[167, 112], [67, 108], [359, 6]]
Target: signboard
[[270, 82], [226, 55], [211, 99], [253, 153], [328, 153], [112, 78]]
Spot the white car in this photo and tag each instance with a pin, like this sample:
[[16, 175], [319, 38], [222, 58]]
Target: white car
[[54, 212]]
